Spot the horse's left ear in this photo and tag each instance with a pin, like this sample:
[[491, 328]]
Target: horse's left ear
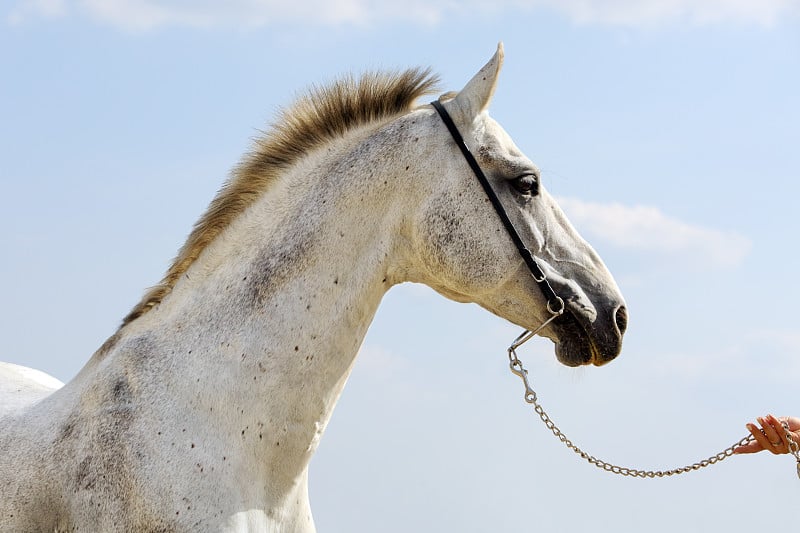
[[474, 98]]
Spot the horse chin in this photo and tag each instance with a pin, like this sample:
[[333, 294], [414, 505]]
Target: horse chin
[[573, 353]]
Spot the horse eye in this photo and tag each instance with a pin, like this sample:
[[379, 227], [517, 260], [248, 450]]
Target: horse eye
[[527, 184]]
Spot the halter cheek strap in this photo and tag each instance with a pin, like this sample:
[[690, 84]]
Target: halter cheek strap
[[555, 305]]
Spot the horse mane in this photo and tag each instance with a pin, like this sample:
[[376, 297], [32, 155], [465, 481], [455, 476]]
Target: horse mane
[[321, 115]]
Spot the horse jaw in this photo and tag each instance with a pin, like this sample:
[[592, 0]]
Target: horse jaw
[[474, 98]]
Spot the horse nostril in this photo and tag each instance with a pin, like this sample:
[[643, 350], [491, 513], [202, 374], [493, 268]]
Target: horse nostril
[[621, 318]]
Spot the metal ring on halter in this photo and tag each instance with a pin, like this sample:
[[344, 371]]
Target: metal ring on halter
[[561, 310]]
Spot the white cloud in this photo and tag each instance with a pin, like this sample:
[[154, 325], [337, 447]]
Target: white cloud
[[142, 15], [656, 12], [148, 14], [647, 229], [37, 8]]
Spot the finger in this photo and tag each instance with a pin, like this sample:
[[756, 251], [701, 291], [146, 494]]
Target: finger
[[750, 447], [789, 433], [769, 430], [760, 436], [781, 443], [794, 422]]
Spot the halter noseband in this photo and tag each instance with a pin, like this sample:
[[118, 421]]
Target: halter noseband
[[555, 305]]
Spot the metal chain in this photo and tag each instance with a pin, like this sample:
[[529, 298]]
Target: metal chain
[[794, 446], [530, 397]]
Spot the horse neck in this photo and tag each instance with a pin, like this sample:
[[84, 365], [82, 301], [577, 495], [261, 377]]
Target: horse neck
[[265, 326]]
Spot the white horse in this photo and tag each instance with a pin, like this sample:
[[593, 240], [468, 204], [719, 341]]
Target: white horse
[[202, 411]]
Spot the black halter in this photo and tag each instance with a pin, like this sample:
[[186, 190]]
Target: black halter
[[554, 303]]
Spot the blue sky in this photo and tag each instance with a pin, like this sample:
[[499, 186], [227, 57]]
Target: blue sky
[[667, 128]]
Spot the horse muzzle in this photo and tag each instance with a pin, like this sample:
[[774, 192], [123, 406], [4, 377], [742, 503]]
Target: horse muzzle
[[580, 341]]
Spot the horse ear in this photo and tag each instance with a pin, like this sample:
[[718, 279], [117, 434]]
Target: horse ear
[[474, 98]]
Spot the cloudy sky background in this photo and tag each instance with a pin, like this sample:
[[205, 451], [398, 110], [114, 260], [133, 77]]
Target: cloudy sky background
[[668, 129]]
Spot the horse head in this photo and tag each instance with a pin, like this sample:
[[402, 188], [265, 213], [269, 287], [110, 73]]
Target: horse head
[[467, 252]]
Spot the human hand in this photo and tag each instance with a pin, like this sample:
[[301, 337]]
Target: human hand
[[771, 435]]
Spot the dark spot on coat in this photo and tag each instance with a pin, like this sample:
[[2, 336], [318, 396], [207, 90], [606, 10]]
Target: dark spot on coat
[[84, 476], [273, 268], [121, 390], [66, 430]]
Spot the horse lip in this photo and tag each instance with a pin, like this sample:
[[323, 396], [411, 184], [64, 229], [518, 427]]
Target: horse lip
[[577, 345]]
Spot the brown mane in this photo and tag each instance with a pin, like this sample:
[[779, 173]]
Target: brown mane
[[321, 115]]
